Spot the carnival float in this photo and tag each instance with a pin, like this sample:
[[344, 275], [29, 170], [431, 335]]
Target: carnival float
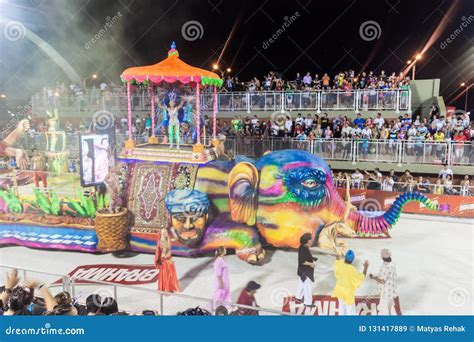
[[180, 185]]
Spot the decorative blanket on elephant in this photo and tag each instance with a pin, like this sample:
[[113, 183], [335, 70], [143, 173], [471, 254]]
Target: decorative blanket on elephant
[[147, 188]]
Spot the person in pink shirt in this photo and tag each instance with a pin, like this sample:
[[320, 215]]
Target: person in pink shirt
[[221, 280]]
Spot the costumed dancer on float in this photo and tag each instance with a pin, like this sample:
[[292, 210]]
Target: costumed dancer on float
[[173, 123], [167, 279]]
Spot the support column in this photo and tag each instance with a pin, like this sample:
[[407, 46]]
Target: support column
[[198, 147], [152, 139], [215, 142], [130, 143], [409, 101], [397, 101]]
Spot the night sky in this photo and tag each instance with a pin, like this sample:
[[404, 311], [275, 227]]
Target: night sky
[[323, 36]]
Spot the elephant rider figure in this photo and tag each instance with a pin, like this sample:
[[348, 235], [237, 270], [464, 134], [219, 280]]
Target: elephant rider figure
[[6, 144]]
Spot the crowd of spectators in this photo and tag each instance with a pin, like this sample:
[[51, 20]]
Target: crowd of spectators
[[344, 80], [22, 299], [407, 182]]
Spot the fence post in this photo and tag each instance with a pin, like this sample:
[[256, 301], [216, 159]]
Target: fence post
[[356, 101], [73, 288], [318, 101], [115, 292], [248, 101], [354, 151], [282, 101], [449, 153], [409, 101], [400, 152], [397, 102], [161, 305]]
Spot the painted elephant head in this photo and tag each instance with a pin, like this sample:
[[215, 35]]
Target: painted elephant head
[[288, 193], [285, 193]]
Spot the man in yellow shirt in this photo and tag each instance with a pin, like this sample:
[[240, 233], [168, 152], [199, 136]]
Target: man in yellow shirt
[[438, 136], [348, 279]]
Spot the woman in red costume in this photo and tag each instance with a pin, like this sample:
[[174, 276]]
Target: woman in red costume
[[167, 279]]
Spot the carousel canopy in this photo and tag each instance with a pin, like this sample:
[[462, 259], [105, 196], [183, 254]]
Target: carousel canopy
[[170, 70]]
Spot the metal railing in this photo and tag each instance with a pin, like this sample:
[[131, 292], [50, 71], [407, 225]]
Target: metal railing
[[132, 299], [428, 188], [378, 151], [316, 100], [363, 150]]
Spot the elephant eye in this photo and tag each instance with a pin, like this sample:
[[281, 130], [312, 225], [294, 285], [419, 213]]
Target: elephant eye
[[309, 183]]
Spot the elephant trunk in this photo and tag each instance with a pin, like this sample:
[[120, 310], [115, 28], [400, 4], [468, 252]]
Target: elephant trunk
[[378, 225]]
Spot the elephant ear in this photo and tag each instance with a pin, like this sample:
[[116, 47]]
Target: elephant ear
[[243, 188]]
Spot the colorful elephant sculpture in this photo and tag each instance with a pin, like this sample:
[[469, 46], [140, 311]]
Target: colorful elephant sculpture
[[275, 199]]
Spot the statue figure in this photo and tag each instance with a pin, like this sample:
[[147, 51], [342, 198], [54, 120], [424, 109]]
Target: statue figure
[[6, 144]]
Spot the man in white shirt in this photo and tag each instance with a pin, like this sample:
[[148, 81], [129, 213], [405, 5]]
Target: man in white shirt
[[379, 121], [299, 120], [387, 184], [308, 121], [386, 283], [357, 178], [443, 174], [288, 125], [346, 130], [412, 131], [440, 123], [366, 132], [307, 80], [356, 131], [254, 121]]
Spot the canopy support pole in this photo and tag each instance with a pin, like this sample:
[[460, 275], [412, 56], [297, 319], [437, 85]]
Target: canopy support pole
[[198, 147], [152, 139], [130, 143], [214, 118]]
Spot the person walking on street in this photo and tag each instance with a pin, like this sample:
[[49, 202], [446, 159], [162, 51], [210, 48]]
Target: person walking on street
[[306, 263], [348, 279], [386, 284]]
